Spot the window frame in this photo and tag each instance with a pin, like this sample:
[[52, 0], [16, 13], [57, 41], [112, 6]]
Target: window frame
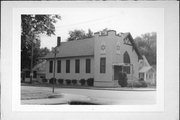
[[58, 66], [77, 65], [88, 65], [68, 64], [103, 65], [51, 66]]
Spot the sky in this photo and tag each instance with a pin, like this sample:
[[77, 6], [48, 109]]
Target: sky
[[137, 21]]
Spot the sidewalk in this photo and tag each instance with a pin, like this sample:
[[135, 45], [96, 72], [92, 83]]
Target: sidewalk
[[94, 88]]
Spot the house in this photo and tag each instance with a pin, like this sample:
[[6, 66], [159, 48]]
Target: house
[[40, 70], [147, 72], [101, 57], [25, 75]]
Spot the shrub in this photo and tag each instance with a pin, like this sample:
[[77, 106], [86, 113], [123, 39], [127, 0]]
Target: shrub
[[68, 81], [123, 80], [82, 81], [44, 80], [141, 79], [60, 81], [74, 81], [138, 84], [143, 84], [90, 81], [52, 80]]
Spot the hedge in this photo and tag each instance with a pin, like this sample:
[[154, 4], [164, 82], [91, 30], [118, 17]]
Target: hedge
[[74, 81], [52, 80], [138, 84], [44, 80], [82, 81], [60, 81], [123, 80], [90, 81], [68, 81]]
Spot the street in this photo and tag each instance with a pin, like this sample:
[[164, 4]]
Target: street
[[44, 95]]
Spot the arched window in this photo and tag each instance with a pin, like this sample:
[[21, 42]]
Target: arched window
[[126, 57]]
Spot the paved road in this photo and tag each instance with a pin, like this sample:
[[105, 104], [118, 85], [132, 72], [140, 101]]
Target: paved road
[[96, 96]]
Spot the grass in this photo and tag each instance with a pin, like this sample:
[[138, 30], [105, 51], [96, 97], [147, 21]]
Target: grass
[[41, 94]]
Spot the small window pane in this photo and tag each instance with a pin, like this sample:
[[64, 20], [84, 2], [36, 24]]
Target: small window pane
[[59, 66], [103, 65], [77, 66], [88, 65], [50, 66], [126, 69], [67, 66]]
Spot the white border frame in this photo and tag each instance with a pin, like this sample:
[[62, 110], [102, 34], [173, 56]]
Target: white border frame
[[16, 103]]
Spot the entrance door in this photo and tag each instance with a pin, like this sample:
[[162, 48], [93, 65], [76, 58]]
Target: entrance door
[[117, 70]]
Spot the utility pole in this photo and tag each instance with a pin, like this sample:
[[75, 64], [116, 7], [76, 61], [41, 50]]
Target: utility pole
[[55, 51], [31, 71]]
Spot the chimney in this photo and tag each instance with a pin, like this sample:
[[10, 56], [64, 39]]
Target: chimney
[[58, 41]]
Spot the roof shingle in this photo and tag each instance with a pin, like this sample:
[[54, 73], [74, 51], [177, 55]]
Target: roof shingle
[[74, 48]]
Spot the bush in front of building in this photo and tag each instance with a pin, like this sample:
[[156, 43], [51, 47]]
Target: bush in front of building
[[60, 81], [52, 80], [123, 79], [138, 84], [82, 81], [90, 81], [74, 81], [44, 80], [68, 81]]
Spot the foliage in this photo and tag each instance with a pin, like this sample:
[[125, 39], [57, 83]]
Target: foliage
[[146, 44], [79, 35], [104, 31], [137, 84], [74, 81], [60, 81], [68, 81], [82, 81], [90, 81], [31, 28], [122, 79], [44, 80], [52, 81]]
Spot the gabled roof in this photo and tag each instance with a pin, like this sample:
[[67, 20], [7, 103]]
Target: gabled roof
[[145, 69], [126, 35], [40, 66], [84, 47]]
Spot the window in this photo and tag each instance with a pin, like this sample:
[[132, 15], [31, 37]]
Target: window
[[50, 66], [88, 65], [126, 60], [77, 66], [126, 69], [59, 66], [103, 65], [141, 75], [67, 66]]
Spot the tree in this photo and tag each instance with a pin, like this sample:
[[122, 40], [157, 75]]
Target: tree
[[79, 35], [31, 28], [104, 31], [146, 44], [89, 34]]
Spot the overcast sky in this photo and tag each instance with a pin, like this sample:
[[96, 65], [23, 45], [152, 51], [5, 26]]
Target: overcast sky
[[134, 20]]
